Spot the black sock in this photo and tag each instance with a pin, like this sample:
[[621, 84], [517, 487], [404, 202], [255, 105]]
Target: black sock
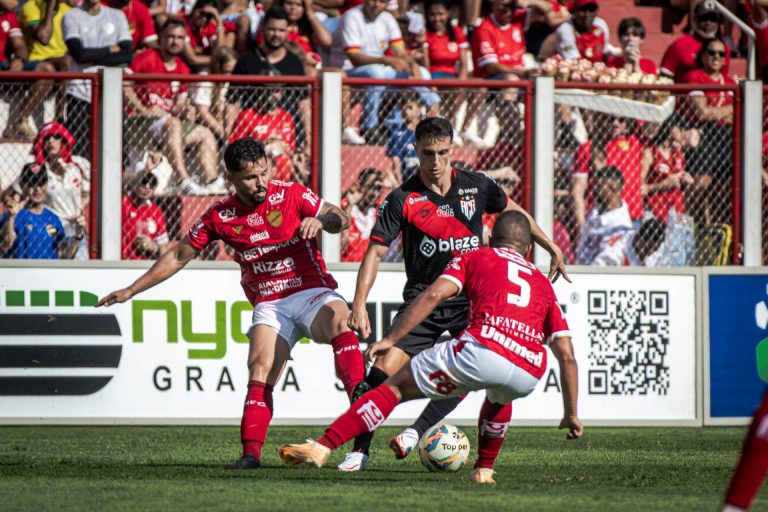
[[374, 379], [435, 411]]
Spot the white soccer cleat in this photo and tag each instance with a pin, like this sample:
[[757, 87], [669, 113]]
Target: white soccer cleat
[[350, 136], [483, 476], [404, 443], [308, 453], [354, 461]]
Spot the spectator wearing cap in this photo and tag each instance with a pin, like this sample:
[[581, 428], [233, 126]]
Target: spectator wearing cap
[[158, 113], [604, 237], [28, 228], [144, 228], [631, 36], [680, 57], [68, 178], [271, 57], [586, 35]]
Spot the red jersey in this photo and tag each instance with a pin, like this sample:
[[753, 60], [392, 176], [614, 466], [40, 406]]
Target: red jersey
[[274, 260], [680, 57], [626, 153], [663, 166], [647, 66], [591, 45], [513, 317], [139, 22], [443, 53], [494, 43], [145, 219], [360, 226], [9, 27], [761, 34], [203, 37], [158, 93], [275, 124], [714, 98]]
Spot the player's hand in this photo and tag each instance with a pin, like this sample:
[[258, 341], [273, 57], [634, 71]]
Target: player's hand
[[574, 426], [557, 266], [115, 297], [379, 348], [358, 322], [310, 227]]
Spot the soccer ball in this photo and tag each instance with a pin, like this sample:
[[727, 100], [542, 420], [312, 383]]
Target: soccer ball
[[444, 448]]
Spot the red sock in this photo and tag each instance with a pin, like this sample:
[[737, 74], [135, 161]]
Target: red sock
[[365, 415], [256, 417], [753, 464], [348, 360], [493, 424]]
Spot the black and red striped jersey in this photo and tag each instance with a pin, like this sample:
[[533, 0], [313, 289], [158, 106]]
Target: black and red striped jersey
[[436, 228]]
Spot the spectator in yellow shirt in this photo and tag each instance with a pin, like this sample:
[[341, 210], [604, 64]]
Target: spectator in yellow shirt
[[41, 22]]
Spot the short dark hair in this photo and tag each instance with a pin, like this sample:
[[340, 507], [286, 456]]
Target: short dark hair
[[367, 172], [610, 172], [433, 128], [172, 22], [241, 151], [705, 46], [203, 3], [275, 12], [666, 129], [512, 228], [627, 24]]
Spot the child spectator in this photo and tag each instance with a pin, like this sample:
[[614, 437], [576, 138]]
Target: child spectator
[[631, 35], [144, 228]]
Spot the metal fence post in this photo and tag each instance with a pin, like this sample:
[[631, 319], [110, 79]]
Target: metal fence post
[[330, 154], [110, 165], [543, 163], [752, 184]]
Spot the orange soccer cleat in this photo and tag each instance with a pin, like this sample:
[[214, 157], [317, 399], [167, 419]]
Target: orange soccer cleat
[[483, 476], [309, 453]]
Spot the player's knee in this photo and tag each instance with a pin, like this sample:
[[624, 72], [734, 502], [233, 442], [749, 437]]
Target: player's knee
[[259, 370]]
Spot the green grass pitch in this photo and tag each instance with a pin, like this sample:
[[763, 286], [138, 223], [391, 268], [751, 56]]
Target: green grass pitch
[[181, 468]]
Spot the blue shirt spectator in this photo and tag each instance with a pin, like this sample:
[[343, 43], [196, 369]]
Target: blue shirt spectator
[[38, 236]]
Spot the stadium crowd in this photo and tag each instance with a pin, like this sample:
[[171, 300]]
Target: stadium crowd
[[176, 130]]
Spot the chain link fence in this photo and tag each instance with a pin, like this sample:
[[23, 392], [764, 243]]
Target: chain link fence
[[175, 134], [378, 154], [46, 127], [644, 176]]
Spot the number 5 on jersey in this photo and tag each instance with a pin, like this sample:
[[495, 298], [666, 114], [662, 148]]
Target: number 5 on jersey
[[513, 274]]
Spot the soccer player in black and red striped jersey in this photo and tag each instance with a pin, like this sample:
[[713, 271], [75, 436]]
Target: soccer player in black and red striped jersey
[[439, 214]]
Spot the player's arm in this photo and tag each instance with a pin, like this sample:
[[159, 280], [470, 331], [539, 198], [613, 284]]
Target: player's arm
[[366, 275], [168, 264], [562, 348], [442, 289], [557, 263], [330, 218]]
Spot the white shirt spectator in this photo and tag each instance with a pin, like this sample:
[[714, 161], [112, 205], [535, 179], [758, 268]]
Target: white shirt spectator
[[567, 46], [65, 193], [604, 237], [655, 259], [368, 37]]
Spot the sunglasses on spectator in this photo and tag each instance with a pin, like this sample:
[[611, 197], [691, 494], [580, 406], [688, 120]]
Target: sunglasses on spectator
[[716, 53], [712, 18], [148, 182]]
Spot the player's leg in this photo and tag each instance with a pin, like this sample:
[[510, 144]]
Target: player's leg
[[753, 464]]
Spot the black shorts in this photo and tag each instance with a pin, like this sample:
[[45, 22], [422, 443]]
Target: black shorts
[[451, 316]]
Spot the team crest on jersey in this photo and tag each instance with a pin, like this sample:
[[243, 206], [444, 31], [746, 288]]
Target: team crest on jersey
[[624, 145], [275, 218], [663, 169], [277, 197], [237, 229], [427, 247], [453, 47], [468, 207], [51, 230], [227, 215], [255, 219]]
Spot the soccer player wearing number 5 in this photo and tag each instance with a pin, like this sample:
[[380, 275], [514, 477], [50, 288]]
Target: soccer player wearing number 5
[[272, 226], [439, 213], [502, 350]]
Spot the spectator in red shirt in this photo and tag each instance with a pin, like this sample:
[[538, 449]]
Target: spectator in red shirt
[[140, 22], [144, 228], [586, 35], [664, 174], [205, 32], [631, 35], [711, 162], [158, 112], [360, 202], [757, 17], [680, 56]]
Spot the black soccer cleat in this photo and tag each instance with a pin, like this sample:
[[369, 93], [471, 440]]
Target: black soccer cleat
[[246, 462], [361, 389]]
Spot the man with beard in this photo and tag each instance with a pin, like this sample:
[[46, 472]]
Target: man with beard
[[158, 113], [271, 57], [272, 227], [680, 57]]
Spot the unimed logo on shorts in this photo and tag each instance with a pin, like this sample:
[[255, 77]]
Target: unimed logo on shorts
[[55, 343]]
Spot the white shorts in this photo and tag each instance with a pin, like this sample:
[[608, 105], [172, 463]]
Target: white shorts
[[291, 317], [444, 371]]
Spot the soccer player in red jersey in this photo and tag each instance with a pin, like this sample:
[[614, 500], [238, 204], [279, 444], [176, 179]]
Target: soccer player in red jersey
[[502, 350], [753, 465], [272, 227]]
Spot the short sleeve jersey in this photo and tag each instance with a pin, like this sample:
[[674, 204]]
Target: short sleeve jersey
[[503, 44], [443, 53], [436, 228], [662, 167], [32, 14], [647, 66], [9, 27], [145, 219], [714, 98], [761, 32], [591, 45], [680, 57], [37, 235], [357, 34], [277, 123], [274, 260], [163, 93], [513, 308], [140, 23]]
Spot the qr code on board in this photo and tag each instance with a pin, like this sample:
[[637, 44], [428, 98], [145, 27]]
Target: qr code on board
[[629, 342]]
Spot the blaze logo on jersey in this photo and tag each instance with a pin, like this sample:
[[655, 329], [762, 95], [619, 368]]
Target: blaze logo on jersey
[[371, 415], [277, 197], [468, 207], [275, 218], [427, 247], [255, 219], [462, 244], [311, 197], [261, 235], [227, 215], [413, 200]]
